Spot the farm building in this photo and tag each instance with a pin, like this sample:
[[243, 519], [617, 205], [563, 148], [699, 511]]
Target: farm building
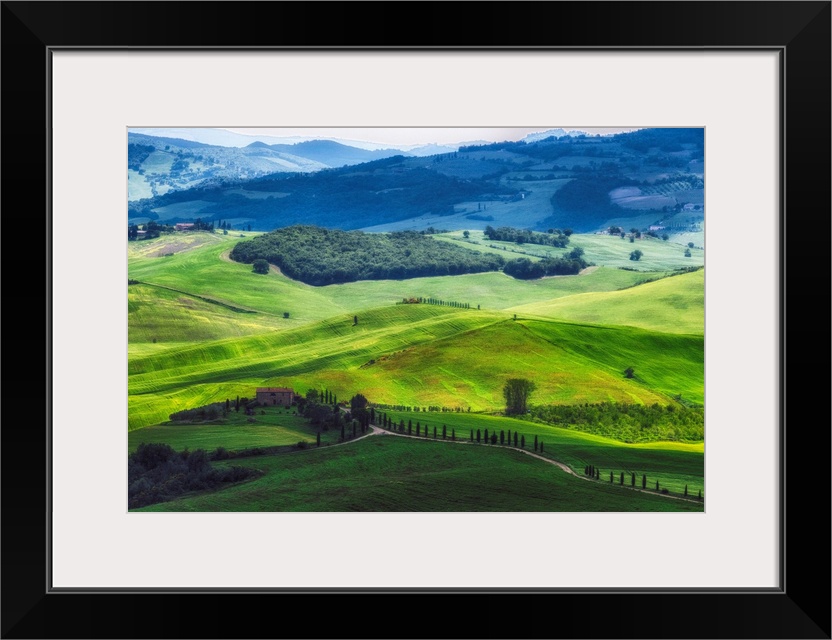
[[184, 226], [275, 396]]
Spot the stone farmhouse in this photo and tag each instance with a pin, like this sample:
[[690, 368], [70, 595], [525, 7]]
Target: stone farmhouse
[[272, 396]]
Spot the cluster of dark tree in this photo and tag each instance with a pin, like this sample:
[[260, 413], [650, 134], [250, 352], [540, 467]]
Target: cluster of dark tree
[[205, 413], [669, 140], [320, 256], [322, 410], [590, 194], [157, 473], [401, 407], [554, 238], [214, 410], [628, 422], [136, 154], [152, 230], [524, 269], [437, 302]]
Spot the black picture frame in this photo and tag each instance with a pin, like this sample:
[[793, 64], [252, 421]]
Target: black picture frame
[[799, 31]]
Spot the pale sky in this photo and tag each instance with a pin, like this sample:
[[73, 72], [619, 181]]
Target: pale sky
[[402, 138], [417, 135]]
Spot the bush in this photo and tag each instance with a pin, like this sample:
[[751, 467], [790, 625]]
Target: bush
[[636, 255], [260, 266]]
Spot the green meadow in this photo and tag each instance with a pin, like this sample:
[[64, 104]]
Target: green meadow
[[672, 305], [387, 473], [203, 329], [673, 464], [269, 427]]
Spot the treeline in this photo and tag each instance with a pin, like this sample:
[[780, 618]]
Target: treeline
[[436, 408], [569, 265], [504, 438], [436, 301], [628, 422], [157, 473], [320, 256], [214, 410], [555, 238]]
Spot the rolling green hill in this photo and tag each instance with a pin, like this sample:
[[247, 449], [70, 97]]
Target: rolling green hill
[[386, 473], [674, 464], [423, 355], [673, 305]]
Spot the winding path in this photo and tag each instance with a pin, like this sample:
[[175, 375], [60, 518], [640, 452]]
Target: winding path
[[563, 467]]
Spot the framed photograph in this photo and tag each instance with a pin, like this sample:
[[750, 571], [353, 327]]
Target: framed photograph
[[101, 89]]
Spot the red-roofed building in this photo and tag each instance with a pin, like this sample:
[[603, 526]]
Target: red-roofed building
[[273, 396]]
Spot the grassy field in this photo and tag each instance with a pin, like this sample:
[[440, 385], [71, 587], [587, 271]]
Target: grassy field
[[386, 473], [610, 251], [198, 267], [423, 355], [673, 464], [167, 316], [235, 432], [202, 329], [674, 305]]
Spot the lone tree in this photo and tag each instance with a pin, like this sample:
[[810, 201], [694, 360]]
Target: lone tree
[[516, 392], [628, 372], [260, 266], [636, 255]]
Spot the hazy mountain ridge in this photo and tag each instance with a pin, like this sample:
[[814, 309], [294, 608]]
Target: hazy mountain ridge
[[636, 179]]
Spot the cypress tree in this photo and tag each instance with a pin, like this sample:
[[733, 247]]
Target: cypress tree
[[586, 470], [418, 429], [597, 474], [633, 480], [453, 435], [686, 491], [515, 438], [643, 481], [535, 443], [372, 414], [486, 436], [522, 442], [401, 425], [434, 432], [622, 477], [657, 485], [472, 435], [318, 442], [610, 477], [502, 436], [541, 446], [478, 435], [700, 494], [409, 427]]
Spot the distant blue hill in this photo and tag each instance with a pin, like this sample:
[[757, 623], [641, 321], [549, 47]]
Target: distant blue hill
[[329, 152]]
